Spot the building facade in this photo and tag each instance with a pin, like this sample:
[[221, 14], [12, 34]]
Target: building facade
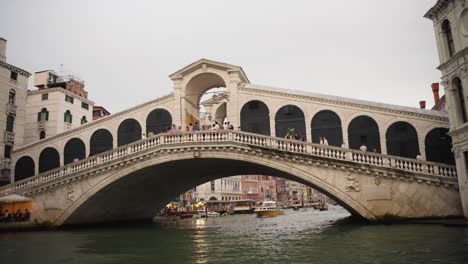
[[59, 104], [225, 189], [13, 90], [450, 18]]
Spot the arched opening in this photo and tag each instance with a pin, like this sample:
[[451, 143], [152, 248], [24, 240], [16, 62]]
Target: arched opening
[[290, 117], [24, 168], [12, 96], [67, 117], [10, 123], [363, 130], [439, 146], [327, 124], [49, 159], [461, 108], [101, 141], [74, 150], [154, 184], [43, 115], [255, 118], [402, 140], [42, 134], [447, 30], [129, 131], [158, 121], [209, 89]]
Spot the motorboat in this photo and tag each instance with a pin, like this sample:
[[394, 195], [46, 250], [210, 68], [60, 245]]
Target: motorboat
[[268, 209], [203, 213]]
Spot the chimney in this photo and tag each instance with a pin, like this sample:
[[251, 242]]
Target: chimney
[[422, 104], [435, 91], [3, 43]]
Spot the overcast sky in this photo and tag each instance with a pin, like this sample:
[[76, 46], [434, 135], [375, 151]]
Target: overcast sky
[[379, 50]]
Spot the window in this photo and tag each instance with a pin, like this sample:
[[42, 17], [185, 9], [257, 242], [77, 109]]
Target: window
[[10, 123], [84, 105], [69, 99], [212, 185], [11, 96], [42, 134], [43, 115], [7, 153], [83, 120], [447, 30], [461, 97], [14, 75], [45, 96], [67, 117]]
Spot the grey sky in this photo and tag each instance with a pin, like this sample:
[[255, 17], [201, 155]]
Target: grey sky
[[380, 50]]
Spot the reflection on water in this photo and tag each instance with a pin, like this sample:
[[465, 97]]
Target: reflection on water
[[304, 236]]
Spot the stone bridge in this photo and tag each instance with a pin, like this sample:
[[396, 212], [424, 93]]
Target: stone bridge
[[132, 181], [118, 174]]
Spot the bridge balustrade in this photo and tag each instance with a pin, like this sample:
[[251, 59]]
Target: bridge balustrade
[[423, 168]]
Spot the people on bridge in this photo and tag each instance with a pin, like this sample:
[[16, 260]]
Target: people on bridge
[[196, 127], [343, 145], [419, 157], [325, 141], [363, 147]]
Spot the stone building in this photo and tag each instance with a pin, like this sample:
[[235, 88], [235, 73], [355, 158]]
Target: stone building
[[59, 104], [99, 112], [225, 189], [13, 89], [450, 19]]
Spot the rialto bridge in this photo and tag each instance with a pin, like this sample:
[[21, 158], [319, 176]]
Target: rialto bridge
[[105, 170]]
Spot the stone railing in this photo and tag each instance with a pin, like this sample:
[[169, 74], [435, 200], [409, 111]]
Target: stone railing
[[422, 168]]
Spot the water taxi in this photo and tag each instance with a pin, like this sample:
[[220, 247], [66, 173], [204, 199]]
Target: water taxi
[[268, 208]]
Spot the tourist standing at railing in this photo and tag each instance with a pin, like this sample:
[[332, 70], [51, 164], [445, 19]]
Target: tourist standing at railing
[[225, 126], [363, 147], [301, 136], [321, 141], [196, 127], [343, 145], [190, 128], [325, 141], [143, 136], [419, 157]]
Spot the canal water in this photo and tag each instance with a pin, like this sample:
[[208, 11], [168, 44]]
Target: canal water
[[304, 236]]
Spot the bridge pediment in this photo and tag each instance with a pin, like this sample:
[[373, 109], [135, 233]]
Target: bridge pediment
[[203, 64]]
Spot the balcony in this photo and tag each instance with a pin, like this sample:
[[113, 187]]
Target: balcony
[[9, 137], [11, 108]]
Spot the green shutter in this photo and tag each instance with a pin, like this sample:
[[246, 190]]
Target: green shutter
[[47, 116], [39, 116]]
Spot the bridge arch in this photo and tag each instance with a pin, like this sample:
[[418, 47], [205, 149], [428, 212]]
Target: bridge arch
[[255, 118], [290, 116], [75, 148], [24, 168], [101, 141], [158, 121], [129, 131], [364, 129], [148, 175], [402, 140], [438, 146], [49, 159], [328, 124]]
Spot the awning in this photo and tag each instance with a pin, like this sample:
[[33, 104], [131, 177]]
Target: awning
[[14, 198]]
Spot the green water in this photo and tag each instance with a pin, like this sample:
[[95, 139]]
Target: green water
[[305, 236]]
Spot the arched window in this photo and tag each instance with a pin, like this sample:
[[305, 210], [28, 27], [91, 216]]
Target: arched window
[[100, 141], [439, 146], [129, 131], [255, 118], [364, 130], [402, 140], [75, 149], [10, 123], [457, 84], [49, 159], [327, 124], [67, 117], [11, 96], [157, 121], [83, 120], [43, 115], [289, 116], [24, 168], [42, 134], [447, 30]]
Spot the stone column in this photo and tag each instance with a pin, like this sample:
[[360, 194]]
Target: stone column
[[232, 113], [178, 117]]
